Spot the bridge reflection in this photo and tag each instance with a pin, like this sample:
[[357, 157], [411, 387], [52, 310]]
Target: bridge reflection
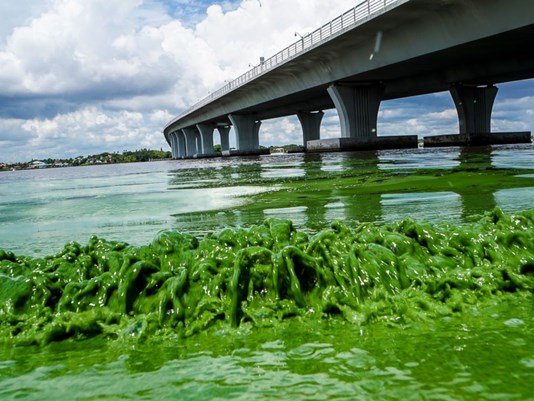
[[314, 210], [458, 205]]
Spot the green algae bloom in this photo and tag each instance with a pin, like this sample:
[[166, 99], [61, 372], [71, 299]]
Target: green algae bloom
[[180, 285]]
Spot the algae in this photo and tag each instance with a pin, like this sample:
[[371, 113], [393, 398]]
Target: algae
[[180, 285], [383, 182]]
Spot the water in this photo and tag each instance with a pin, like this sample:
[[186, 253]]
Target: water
[[465, 359], [485, 353], [41, 210]]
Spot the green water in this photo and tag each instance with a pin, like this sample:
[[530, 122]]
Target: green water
[[429, 299], [467, 358], [472, 357]]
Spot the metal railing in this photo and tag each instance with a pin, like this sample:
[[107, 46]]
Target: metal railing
[[346, 21]]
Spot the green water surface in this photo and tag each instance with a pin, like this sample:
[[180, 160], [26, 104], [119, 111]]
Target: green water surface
[[328, 286]]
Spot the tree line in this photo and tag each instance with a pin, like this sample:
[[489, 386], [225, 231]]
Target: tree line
[[141, 155]]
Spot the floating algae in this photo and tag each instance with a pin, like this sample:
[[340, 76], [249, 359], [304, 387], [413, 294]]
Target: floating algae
[[179, 285]]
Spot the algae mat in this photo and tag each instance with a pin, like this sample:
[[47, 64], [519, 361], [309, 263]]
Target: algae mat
[[250, 302]]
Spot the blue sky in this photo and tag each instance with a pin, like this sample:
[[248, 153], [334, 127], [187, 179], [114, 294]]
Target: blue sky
[[80, 77]]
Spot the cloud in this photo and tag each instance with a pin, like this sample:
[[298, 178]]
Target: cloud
[[76, 51], [90, 130], [435, 114], [513, 114], [14, 15], [13, 133]]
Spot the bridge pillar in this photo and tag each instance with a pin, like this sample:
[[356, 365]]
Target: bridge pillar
[[206, 138], [225, 137], [474, 105], [311, 125], [172, 140], [247, 131], [357, 106], [190, 134], [181, 144], [177, 145]]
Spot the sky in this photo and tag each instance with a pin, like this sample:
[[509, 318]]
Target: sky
[[82, 77]]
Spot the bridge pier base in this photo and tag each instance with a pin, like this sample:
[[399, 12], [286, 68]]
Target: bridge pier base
[[355, 144], [474, 105], [311, 125], [357, 107], [477, 139]]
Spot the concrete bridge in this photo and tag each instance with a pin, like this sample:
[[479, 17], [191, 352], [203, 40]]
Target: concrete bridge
[[379, 50]]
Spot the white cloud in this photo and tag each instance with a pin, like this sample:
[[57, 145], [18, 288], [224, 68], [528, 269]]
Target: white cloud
[[91, 130]]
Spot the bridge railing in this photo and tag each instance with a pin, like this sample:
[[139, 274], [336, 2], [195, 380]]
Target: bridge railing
[[346, 21]]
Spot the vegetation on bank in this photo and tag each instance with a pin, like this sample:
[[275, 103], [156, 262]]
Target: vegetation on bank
[[141, 155]]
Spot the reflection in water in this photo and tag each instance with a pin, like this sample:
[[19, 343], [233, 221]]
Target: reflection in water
[[427, 158], [298, 214], [511, 200], [41, 210], [476, 200], [428, 206], [333, 203], [464, 204], [314, 210], [360, 208], [421, 206], [379, 207], [283, 167]]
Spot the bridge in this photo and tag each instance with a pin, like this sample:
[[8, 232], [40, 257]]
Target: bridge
[[379, 50]]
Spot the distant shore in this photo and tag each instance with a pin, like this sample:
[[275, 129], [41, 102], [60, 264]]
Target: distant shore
[[142, 155]]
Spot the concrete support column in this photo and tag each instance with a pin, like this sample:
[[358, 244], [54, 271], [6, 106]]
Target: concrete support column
[[180, 144], [206, 138], [357, 106], [256, 134], [311, 125], [172, 140], [474, 105], [190, 134], [225, 137], [198, 141], [247, 131]]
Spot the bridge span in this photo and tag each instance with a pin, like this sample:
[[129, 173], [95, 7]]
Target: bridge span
[[379, 50]]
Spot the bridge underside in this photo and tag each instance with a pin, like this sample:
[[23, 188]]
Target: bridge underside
[[465, 47], [477, 63]]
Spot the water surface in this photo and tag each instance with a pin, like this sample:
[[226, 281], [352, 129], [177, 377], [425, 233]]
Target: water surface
[[41, 210], [484, 353]]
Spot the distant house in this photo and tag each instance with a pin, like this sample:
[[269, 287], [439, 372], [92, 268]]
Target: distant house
[[38, 164]]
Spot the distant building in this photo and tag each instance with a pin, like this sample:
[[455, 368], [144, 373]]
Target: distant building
[[38, 164]]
